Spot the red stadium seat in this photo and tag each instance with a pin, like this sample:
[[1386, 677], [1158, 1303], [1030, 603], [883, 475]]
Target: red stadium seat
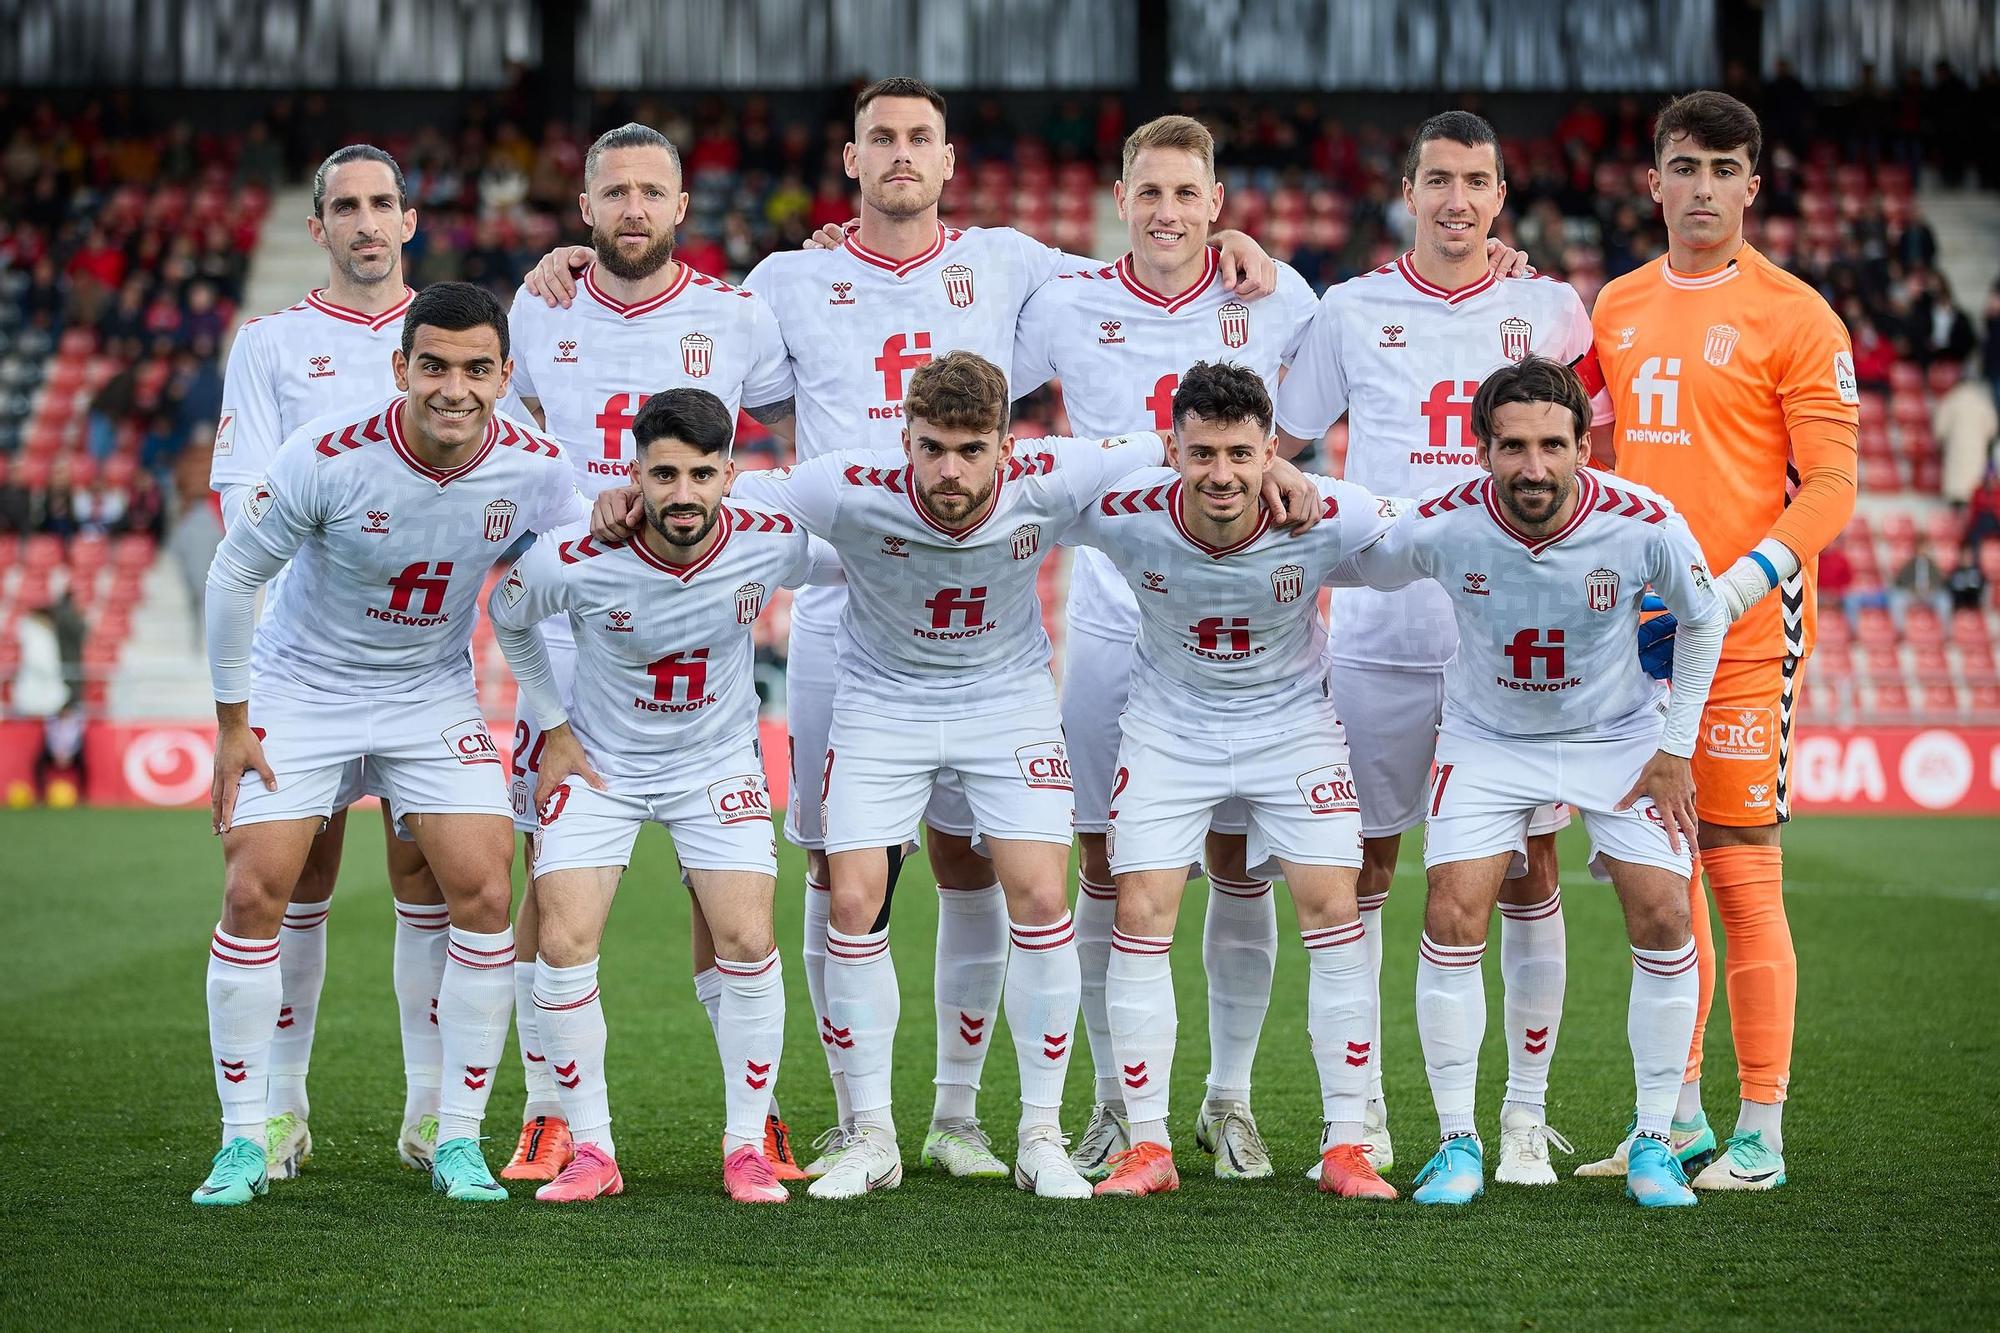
[[133, 552], [1885, 661], [1890, 700], [1921, 624], [1940, 699]]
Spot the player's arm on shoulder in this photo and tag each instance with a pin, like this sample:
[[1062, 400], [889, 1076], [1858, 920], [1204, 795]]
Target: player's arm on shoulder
[[1247, 269], [810, 491], [1364, 517], [1034, 350], [1398, 557], [553, 278], [770, 390], [781, 418]]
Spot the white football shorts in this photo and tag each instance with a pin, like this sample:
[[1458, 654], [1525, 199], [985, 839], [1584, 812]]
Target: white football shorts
[[810, 671], [1011, 767], [1097, 677], [426, 756], [721, 820], [1391, 715], [1486, 792], [1298, 796]]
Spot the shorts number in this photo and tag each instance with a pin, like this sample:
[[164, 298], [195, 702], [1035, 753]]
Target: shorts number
[[1437, 786], [1118, 782], [534, 761], [555, 805]]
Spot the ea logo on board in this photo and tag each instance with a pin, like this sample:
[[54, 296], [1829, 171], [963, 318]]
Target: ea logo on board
[[1936, 769]]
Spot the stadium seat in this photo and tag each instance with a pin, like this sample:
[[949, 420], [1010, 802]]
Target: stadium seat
[[1940, 699]]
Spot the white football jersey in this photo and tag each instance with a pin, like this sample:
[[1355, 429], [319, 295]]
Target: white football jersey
[[1119, 349], [1228, 637], [1548, 627], [942, 623], [594, 365], [1403, 359], [858, 323], [663, 651], [288, 368], [388, 555]]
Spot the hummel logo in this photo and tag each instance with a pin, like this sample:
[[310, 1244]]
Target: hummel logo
[[1109, 332], [566, 352], [843, 294], [620, 621], [322, 366], [1475, 585], [1155, 581], [378, 522], [1625, 337], [894, 546], [1392, 336]]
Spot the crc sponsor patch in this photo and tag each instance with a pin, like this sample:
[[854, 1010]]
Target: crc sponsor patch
[[1045, 766], [1739, 733], [1329, 790], [471, 743], [740, 800]]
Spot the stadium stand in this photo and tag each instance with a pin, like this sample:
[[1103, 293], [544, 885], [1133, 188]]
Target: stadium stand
[[124, 250]]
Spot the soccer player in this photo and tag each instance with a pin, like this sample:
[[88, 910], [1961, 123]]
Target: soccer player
[[331, 350], [645, 322], [662, 729], [944, 669], [1401, 351], [859, 319], [1229, 702], [1545, 567], [1118, 337], [1733, 394], [391, 514]]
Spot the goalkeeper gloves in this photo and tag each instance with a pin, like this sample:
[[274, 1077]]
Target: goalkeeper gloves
[[1656, 639], [1747, 581]]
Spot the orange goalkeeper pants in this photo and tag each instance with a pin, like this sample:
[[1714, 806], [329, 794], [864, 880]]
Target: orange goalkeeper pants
[[1759, 966]]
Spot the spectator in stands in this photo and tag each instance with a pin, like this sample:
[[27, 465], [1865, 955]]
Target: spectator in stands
[[58, 516], [1874, 354], [110, 407], [195, 532], [45, 297], [1966, 583], [41, 691], [1989, 562], [204, 320], [1964, 421], [1921, 579], [1982, 517], [145, 510], [14, 506], [127, 316], [260, 161], [1836, 580], [162, 442], [1940, 330]]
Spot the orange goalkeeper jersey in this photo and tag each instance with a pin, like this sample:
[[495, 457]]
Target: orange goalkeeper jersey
[[1729, 389]]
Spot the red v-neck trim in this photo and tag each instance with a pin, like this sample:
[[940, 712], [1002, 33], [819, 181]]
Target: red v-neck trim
[[1217, 552], [1171, 304], [1407, 266], [685, 573], [1586, 500], [423, 469], [900, 267], [637, 308], [317, 300]]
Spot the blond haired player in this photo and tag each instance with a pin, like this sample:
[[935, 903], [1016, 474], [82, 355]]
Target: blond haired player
[[1118, 337], [1733, 389]]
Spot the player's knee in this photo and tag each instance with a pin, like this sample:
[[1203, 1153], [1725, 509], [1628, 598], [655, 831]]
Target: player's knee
[[1453, 919], [1659, 921], [1037, 905], [1378, 863], [483, 906], [854, 910], [253, 895], [744, 941], [315, 882], [955, 863]]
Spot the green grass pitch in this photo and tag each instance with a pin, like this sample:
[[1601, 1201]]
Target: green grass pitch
[[107, 1122]]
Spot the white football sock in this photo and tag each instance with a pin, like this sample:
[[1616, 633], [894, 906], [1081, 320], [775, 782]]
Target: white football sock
[[1371, 905], [1139, 1001], [244, 994], [1451, 1020], [970, 973], [1239, 950], [1767, 1118], [1044, 987], [750, 1033], [1659, 1022], [542, 1098], [1096, 906], [1532, 968], [863, 1007], [302, 967], [570, 1012], [473, 1004], [1340, 1019], [418, 971], [815, 955], [1687, 1108]]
